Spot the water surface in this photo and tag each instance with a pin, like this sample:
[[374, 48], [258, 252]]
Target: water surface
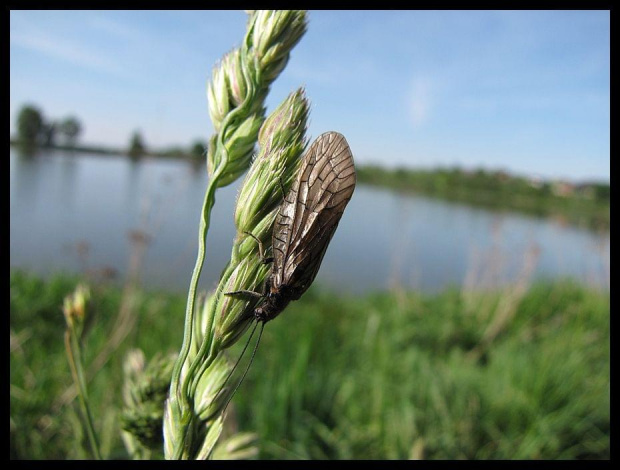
[[76, 212]]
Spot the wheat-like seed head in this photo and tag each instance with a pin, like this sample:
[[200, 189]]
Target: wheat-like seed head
[[240, 84]]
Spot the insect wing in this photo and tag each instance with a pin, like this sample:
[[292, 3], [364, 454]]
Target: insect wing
[[309, 215]]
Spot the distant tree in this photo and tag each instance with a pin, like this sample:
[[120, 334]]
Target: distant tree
[[30, 125], [545, 188], [49, 131], [71, 128], [136, 145], [601, 191], [198, 149]]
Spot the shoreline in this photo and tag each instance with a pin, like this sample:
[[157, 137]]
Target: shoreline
[[585, 204]]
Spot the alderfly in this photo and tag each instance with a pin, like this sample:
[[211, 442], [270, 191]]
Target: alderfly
[[304, 226], [306, 222]]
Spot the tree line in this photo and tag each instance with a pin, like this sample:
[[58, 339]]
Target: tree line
[[585, 203], [35, 130]]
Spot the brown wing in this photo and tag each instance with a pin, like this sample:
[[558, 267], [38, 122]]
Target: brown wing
[[311, 211]]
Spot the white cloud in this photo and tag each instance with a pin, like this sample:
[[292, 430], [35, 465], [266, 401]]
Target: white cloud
[[67, 51]]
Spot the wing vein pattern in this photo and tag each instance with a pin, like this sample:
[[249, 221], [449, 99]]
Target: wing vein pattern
[[310, 213]]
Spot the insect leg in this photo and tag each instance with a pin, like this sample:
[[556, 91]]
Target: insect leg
[[246, 292], [261, 250], [252, 293]]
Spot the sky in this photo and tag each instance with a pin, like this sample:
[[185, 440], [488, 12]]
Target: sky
[[522, 91]]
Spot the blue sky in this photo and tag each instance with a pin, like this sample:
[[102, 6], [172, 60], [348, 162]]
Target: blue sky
[[524, 91]]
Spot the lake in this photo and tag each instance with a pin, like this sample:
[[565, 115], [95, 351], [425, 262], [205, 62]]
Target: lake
[[76, 212]]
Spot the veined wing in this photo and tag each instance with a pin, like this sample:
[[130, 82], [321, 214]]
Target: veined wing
[[311, 211]]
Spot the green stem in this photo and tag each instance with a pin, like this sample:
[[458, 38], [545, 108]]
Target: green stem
[[178, 390], [182, 397], [77, 371], [208, 203], [197, 368]]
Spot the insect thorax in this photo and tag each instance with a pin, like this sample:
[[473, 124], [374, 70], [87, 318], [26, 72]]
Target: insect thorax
[[275, 301]]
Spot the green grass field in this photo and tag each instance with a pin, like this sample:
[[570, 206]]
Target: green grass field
[[390, 375]]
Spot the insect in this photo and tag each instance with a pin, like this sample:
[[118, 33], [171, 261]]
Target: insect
[[305, 223], [304, 226]]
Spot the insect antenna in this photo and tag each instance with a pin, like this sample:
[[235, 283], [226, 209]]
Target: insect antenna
[[247, 343], [260, 334]]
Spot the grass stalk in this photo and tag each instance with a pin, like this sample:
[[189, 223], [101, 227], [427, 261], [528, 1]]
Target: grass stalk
[[74, 309], [236, 104], [75, 364]]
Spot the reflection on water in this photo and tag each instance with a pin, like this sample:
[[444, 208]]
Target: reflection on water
[[81, 212]]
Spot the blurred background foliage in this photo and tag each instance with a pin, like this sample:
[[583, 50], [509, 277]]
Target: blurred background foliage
[[389, 375]]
